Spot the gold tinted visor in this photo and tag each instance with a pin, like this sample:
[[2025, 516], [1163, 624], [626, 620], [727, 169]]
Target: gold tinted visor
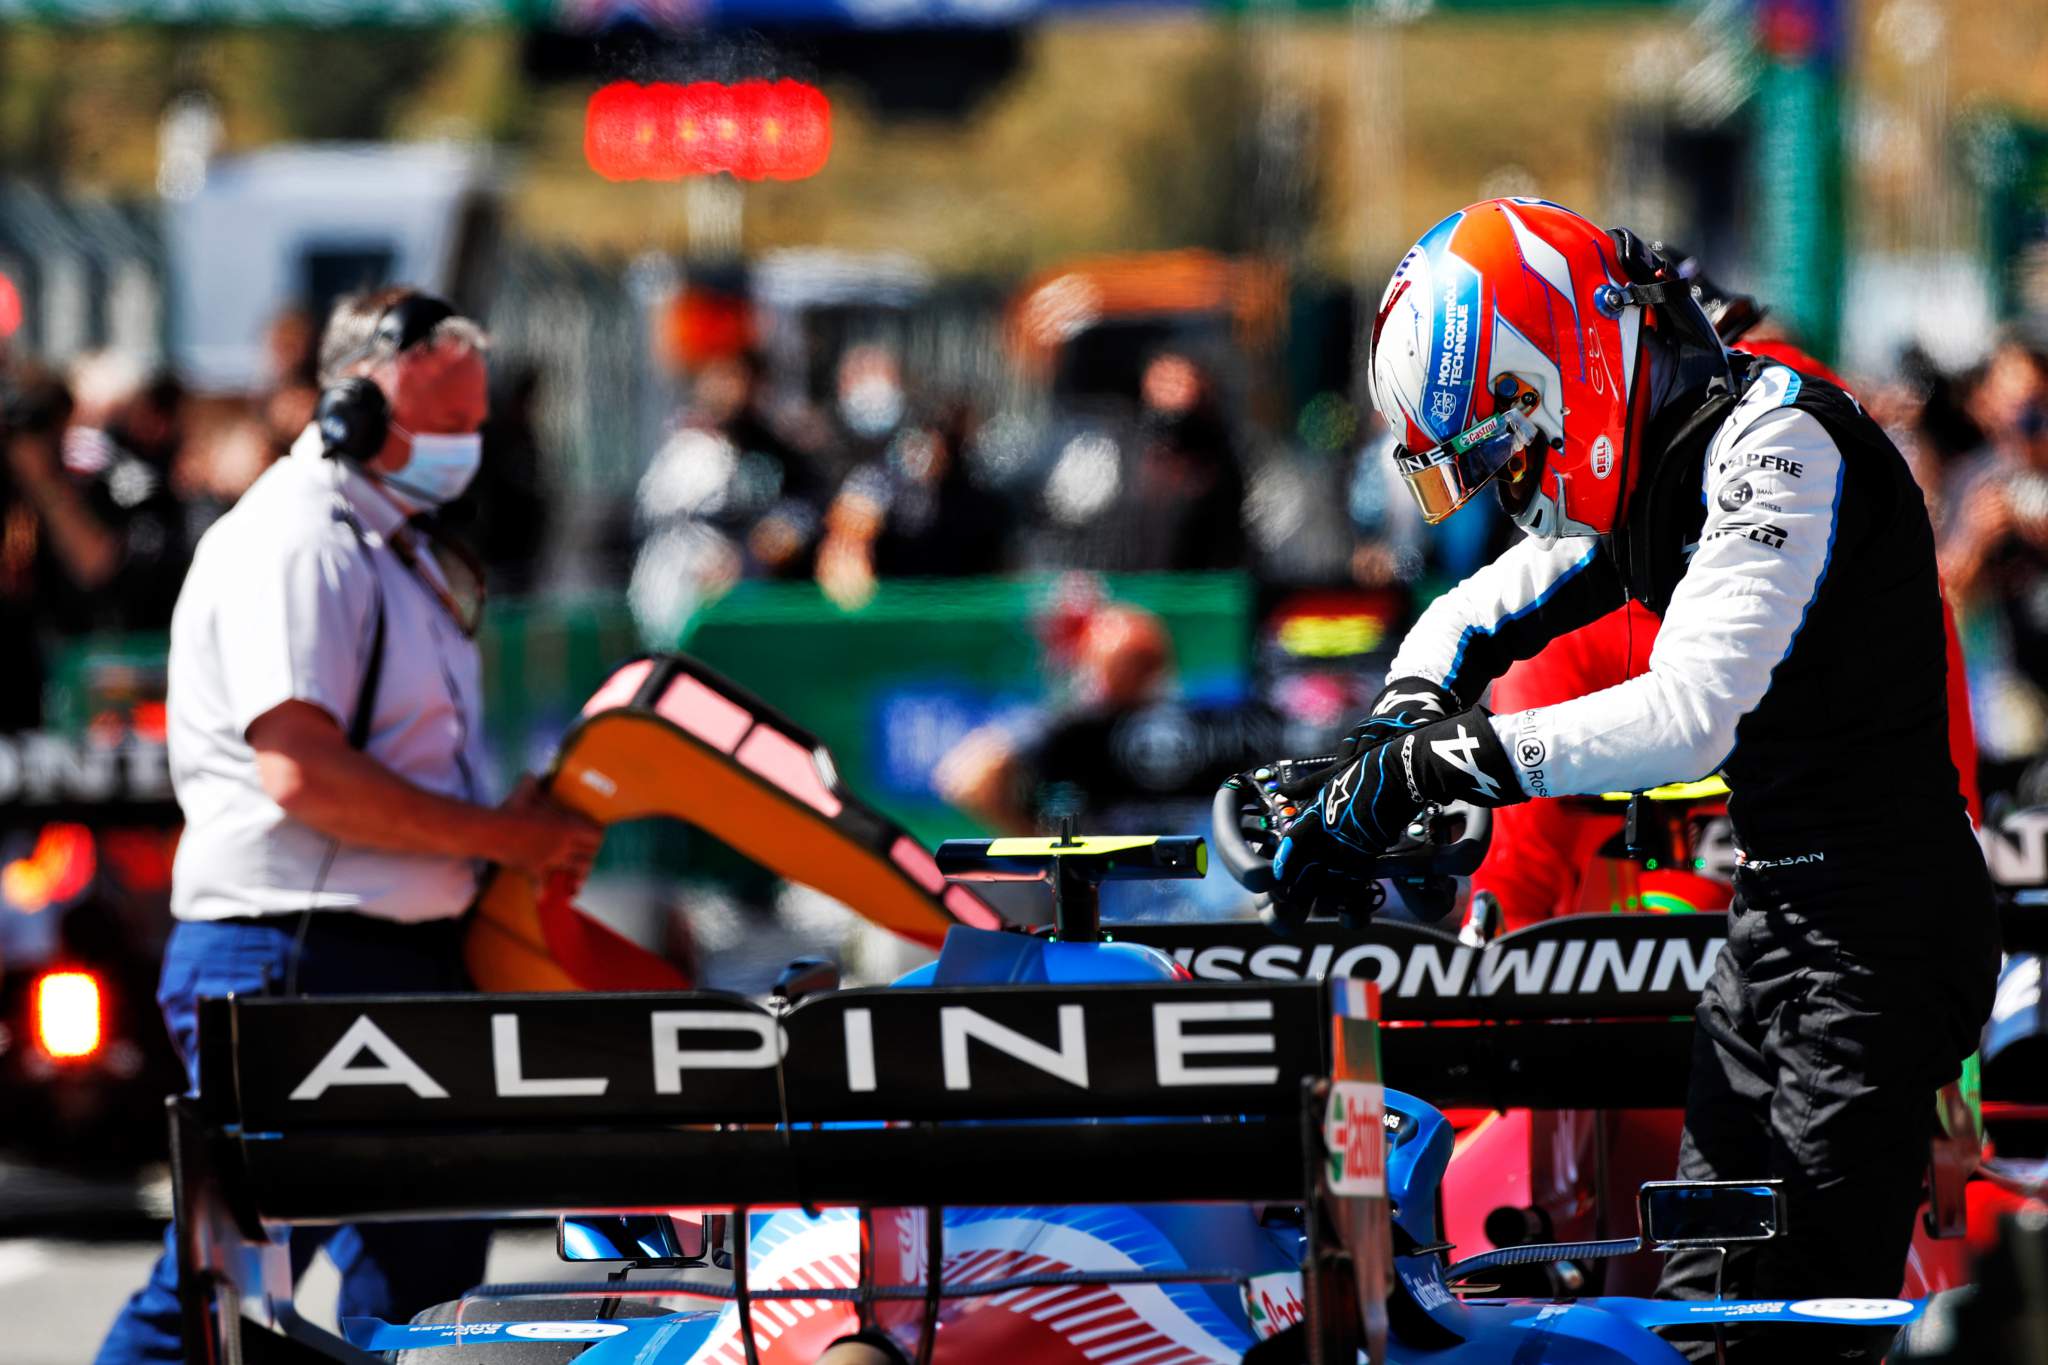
[[1445, 477]]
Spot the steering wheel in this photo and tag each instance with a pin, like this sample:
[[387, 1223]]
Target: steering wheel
[[1250, 814]]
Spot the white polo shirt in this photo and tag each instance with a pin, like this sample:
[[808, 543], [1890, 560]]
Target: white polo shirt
[[279, 606]]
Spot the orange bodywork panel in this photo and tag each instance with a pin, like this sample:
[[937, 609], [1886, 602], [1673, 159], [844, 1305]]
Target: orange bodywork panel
[[667, 737]]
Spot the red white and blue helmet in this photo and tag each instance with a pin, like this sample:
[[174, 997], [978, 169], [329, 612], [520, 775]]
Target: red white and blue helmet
[[1509, 344]]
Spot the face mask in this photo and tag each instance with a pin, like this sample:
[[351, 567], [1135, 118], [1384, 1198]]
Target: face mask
[[440, 467], [871, 406]]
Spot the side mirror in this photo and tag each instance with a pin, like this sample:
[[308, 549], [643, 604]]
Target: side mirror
[[647, 1239], [1711, 1213], [805, 976]]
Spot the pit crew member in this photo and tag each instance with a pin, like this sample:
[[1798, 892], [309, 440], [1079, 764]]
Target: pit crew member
[[326, 747]]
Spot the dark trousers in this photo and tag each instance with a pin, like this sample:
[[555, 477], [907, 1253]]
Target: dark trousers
[[387, 1271], [1822, 1039]]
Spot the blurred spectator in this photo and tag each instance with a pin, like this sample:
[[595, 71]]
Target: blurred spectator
[[870, 406], [1945, 424], [44, 525], [1185, 506], [126, 430], [95, 537], [917, 513], [727, 497], [1122, 756], [1994, 550], [103, 384], [505, 512]]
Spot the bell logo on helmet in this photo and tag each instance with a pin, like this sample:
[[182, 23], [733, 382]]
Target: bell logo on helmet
[[1602, 460]]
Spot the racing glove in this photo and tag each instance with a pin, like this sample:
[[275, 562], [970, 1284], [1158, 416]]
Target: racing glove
[[1363, 808], [1402, 705]]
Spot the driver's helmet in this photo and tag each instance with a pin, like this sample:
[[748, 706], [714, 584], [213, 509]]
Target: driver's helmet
[[1505, 347]]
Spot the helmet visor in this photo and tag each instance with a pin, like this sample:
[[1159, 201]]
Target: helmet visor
[[1445, 477]]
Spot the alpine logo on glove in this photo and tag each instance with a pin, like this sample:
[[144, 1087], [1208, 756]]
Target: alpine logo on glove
[[1462, 753]]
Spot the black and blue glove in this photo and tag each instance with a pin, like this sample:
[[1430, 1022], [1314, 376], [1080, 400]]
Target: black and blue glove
[[1410, 702], [1363, 808], [1404, 704]]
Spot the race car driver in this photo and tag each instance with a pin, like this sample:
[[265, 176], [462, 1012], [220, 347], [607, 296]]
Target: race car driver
[[1778, 533]]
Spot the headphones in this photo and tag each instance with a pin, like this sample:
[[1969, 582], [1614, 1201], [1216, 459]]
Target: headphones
[[354, 416]]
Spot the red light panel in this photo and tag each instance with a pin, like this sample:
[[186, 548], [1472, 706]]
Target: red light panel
[[754, 130]]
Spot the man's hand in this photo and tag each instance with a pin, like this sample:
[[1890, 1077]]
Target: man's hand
[[1402, 705], [1365, 806], [1359, 812], [1319, 874], [543, 840]]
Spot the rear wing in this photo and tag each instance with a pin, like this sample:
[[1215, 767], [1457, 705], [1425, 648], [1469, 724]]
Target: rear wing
[[380, 1108], [1521, 1014]]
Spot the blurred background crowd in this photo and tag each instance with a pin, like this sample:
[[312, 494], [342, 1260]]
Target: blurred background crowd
[[1013, 438]]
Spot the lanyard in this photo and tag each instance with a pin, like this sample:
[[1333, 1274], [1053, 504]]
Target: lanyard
[[401, 539], [467, 619]]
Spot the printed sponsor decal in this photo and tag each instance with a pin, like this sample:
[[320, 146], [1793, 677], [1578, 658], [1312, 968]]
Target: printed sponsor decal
[[1862, 1309], [1736, 496], [39, 769], [1602, 458], [1531, 754], [1427, 1290], [1764, 533], [1448, 377], [1353, 1130], [1775, 464], [1763, 463], [565, 1331], [1508, 970], [1074, 1042], [455, 1330], [1340, 793], [1739, 1310], [1790, 860], [1273, 1302]]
